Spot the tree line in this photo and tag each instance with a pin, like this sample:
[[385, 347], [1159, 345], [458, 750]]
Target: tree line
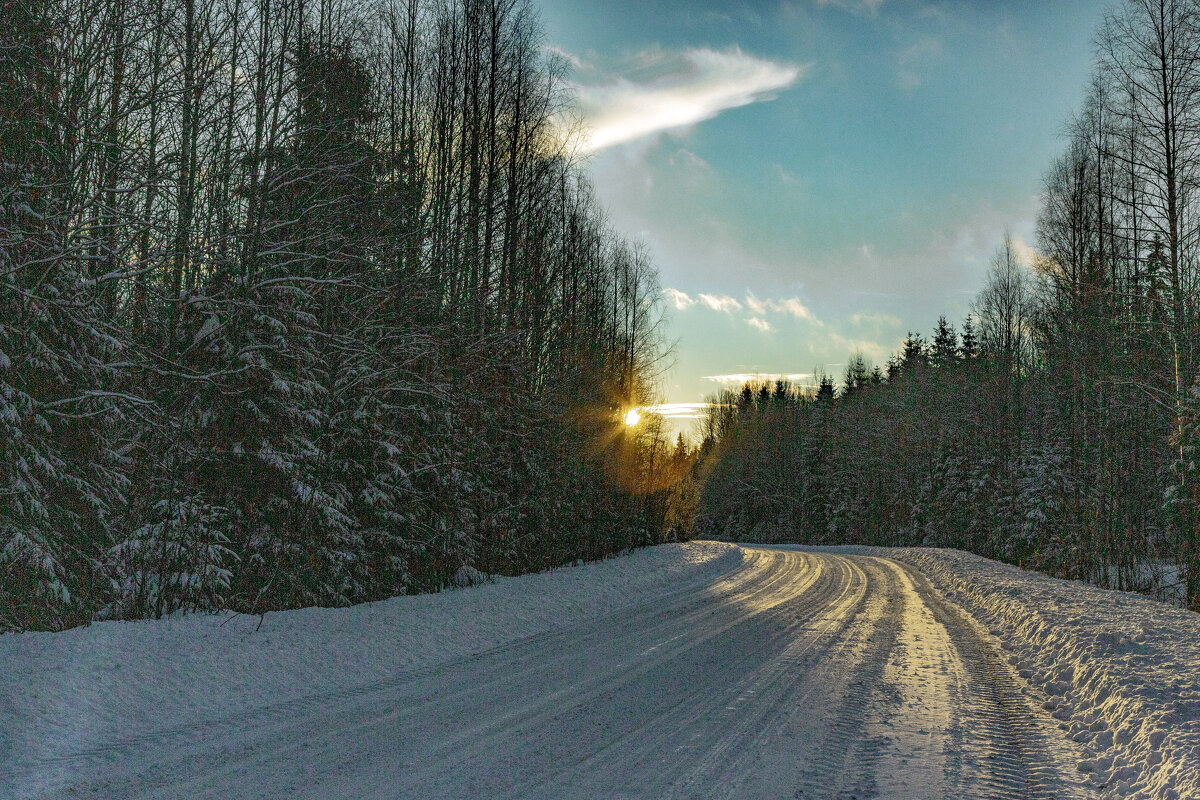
[[1061, 430], [305, 302]]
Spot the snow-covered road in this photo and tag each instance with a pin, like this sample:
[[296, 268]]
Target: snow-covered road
[[786, 674]]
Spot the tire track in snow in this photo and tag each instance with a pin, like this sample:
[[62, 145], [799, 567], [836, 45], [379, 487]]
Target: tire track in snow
[[843, 764], [797, 674], [670, 753], [527, 653], [300, 727], [1023, 755]]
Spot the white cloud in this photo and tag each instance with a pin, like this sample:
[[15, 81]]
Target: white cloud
[[869, 6], [738, 378], [759, 324], [1025, 252], [722, 302], [686, 158], [684, 89], [793, 306], [861, 318], [910, 61], [570, 58], [790, 305], [872, 349], [679, 410], [681, 300], [785, 175]]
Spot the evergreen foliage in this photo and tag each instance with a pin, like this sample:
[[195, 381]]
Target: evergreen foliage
[[1062, 435], [306, 303]]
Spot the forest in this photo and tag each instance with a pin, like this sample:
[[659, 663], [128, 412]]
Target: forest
[[310, 302], [306, 302], [1058, 430]]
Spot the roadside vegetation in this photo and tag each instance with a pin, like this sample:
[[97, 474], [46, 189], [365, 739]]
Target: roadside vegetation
[[304, 304], [1059, 428]]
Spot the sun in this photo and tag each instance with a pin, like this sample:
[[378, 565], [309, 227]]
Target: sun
[[632, 417]]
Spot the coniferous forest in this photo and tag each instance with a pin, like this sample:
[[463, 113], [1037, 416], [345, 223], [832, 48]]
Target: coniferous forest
[[305, 302], [309, 302], [1059, 428]]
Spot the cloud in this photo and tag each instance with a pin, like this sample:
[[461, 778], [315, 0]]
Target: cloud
[[785, 175], [570, 58], [757, 310], [912, 58], [679, 410], [686, 158], [872, 349], [1026, 253], [721, 302], [858, 6], [679, 90], [681, 300], [759, 324], [790, 305], [860, 318], [739, 378]]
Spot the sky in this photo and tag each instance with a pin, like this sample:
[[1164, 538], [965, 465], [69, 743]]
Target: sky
[[815, 178]]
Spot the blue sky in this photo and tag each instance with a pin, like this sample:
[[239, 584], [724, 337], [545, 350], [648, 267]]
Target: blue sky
[[816, 177]]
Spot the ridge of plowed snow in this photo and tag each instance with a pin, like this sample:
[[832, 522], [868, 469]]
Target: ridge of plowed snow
[[1121, 672], [82, 689]]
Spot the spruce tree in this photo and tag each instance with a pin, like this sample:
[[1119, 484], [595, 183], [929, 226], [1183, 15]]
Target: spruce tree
[[825, 391], [944, 351], [970, 342]]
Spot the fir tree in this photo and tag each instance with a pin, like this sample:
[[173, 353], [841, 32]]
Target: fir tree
[[970, 343], [944, 351], [825, 391]]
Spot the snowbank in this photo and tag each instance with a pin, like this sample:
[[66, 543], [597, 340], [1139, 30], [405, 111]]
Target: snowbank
[[1121, 672], [61, 693]]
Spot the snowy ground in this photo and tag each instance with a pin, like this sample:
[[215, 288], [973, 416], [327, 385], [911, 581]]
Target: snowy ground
[[1119, 671], [698, 670]]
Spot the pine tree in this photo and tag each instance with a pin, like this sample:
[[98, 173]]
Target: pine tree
[[914, 353], [970, 343], [944, 351], [764, 396], [59, 476], [746, 399], [825, 391]]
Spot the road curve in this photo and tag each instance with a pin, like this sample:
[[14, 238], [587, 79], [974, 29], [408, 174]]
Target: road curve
[[799, 674]]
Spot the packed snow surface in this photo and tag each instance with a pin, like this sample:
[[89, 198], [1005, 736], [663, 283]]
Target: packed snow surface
[[70, 700], [696, 670], [1119, 671]]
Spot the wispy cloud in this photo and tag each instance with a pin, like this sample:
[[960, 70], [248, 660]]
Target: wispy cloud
[[679, 410], [683, 89], [861, 318], [872, 349], [858, 6], [760, 324], [1026, 253], [912, 59], [681, 300], [785, 175], [739, 378], [686, 158], [569, 58], [720, 302], [790, 305]]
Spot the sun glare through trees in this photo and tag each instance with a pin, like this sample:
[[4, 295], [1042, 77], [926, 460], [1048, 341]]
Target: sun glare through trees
[[316, 302]]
